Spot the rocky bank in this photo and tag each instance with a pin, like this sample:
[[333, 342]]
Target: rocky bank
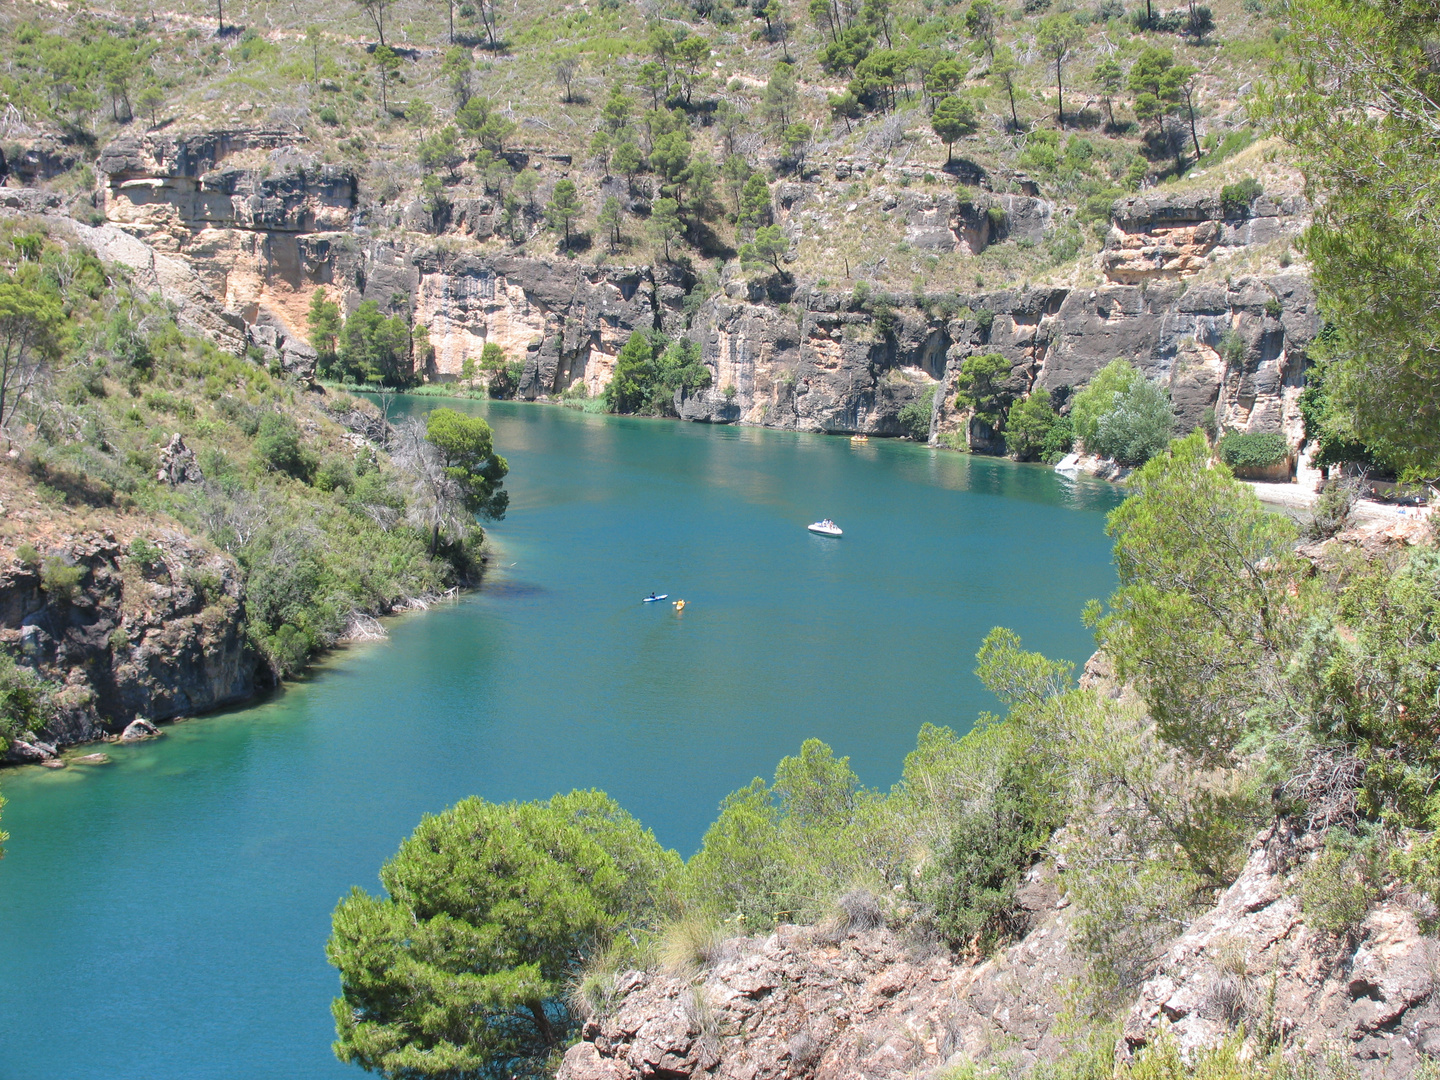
[[262, 225], [125, 638], [848, 1000]]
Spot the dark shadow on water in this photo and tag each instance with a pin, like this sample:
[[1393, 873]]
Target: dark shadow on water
[[512, 590]]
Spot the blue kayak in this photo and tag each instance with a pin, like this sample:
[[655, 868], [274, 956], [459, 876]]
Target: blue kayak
[[652, 599]]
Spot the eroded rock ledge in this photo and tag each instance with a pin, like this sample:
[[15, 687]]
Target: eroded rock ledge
[[160, 640]]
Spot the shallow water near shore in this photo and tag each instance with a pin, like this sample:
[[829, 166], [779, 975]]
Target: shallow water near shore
[[166, 915]]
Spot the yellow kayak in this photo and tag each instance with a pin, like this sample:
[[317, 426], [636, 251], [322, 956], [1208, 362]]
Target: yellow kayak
[[679, 605]]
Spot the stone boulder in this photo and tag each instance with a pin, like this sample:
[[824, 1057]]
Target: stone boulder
[[30, 751], [138, 730], [178, 464]]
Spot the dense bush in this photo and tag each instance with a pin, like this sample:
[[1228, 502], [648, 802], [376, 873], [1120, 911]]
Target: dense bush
[[24, 700], [1137, 425], [981, 387], [374, 348], [1097, 398], [649, 371], [1030, 429], [1259, 451], [1236, 199], [278, 446], [60, 580], [460, 969], [915, 416]]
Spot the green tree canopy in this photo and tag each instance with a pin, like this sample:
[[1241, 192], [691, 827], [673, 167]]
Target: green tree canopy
[[467, 453], [629, 386], [774, 851], [1004, 75], [982, 22], [767, 249], [953, 119], [31, 319], [1366, 124], [374, 348], [610, 218], [980, 387], [1157, 83], [1098, 397], [665, 223], [460, 970], [1057, 36], [563, 209], [325, 324], [1028, 427], [1137, 426], [755, 202], [1204, 599]]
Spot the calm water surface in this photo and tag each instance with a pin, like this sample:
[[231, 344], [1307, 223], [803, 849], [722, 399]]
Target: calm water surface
[[165, 916]]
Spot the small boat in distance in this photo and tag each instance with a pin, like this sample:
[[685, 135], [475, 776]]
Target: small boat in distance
[[653, 597], [826, 528], [859, 438]]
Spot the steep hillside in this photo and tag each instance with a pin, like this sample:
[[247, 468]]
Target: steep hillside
[[180, 526], [552, 182]]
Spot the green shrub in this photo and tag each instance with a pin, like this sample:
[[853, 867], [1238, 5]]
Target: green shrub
[[61, 580], [1332, 510], [119, 639], [458, 963], [1028, 427], [971, 886], [1337, 888], [24, 700], [782, 852], [1236, 199], [1060, 441], [1259, 451], [143, 552], [1137, 426], [277, 444], [914, 416], [27, 554], [1097, 397], [335, 474]]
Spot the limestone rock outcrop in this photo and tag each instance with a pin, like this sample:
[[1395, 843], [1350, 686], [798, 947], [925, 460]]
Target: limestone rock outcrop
[[258, 225], [178, 464], [834, 1004], [1167, 236], [826, 1004], [828, 367], [240, 208], [158, 640], [1253, 959]]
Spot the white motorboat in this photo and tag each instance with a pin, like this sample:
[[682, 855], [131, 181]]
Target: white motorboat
[[826, 528]]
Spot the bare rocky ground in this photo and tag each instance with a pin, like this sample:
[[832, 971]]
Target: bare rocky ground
[[876, 1004]]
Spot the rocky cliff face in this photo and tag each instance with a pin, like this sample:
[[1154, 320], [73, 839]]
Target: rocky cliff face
[[835, 1002], [1254, 960], [263, 224], [832, 1002], [824, 364], [157, 640]]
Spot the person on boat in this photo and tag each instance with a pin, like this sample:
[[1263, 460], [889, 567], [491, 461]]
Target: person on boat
[[652, 596]]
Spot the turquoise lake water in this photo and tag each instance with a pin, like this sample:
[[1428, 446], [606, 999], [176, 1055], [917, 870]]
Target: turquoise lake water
[[165, 916]]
